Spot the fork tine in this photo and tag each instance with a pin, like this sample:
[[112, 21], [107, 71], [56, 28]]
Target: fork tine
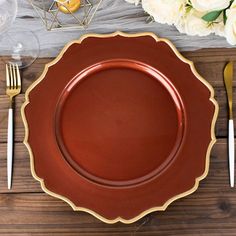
[[18, 76], [7, 77], [14, 75], [11, 77]]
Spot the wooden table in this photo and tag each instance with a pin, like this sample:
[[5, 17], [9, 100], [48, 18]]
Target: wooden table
[[211, 210]]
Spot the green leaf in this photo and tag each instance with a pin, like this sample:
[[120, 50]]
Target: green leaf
[[224, 17], [211, 16]]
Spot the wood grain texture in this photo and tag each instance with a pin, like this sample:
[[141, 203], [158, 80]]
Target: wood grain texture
[[24, 182], [208, 68], [211, 210], [111, 16]]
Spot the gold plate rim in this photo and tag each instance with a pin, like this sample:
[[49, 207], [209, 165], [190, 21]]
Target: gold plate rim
[[153, 209]]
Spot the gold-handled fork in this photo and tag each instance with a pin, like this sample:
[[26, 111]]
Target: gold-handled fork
[[13, 88], [228, 79]]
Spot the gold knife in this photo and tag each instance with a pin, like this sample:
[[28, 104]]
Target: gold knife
[[228, 79]]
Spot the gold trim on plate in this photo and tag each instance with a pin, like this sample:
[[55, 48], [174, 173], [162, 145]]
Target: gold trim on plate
[[158, 208]]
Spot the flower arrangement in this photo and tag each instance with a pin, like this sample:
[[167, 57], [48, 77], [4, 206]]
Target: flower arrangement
[[195, 17]]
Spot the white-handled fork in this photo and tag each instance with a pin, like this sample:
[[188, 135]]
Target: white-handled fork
[[13, 88]]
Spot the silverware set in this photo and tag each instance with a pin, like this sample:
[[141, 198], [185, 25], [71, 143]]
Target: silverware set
[[13, 88], [228, 80]]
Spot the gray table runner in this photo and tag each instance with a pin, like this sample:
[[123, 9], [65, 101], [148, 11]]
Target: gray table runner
[[112, 15]]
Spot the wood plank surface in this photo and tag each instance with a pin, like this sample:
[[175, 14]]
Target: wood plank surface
[[24, 182], [210, 69], [211, 210]]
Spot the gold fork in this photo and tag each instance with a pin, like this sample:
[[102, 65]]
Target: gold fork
[[13, 88]]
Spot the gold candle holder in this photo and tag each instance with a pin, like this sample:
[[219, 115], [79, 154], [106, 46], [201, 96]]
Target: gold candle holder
[[65, 14]]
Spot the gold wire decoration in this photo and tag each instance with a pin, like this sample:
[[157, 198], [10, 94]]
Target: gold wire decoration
[[54, 19]]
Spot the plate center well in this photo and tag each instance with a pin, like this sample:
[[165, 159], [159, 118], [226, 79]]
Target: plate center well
[[119, 122]]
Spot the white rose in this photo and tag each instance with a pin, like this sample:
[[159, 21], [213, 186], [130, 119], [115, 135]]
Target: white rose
[[219, 29], [164, 11], [192, 24], [230, 26], [210, 5], [136, 2]]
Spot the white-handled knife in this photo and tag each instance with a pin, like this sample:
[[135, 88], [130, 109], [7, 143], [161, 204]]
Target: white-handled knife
[[228, 79]]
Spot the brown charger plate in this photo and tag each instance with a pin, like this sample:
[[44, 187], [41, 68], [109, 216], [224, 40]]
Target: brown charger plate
[[119, 126]]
